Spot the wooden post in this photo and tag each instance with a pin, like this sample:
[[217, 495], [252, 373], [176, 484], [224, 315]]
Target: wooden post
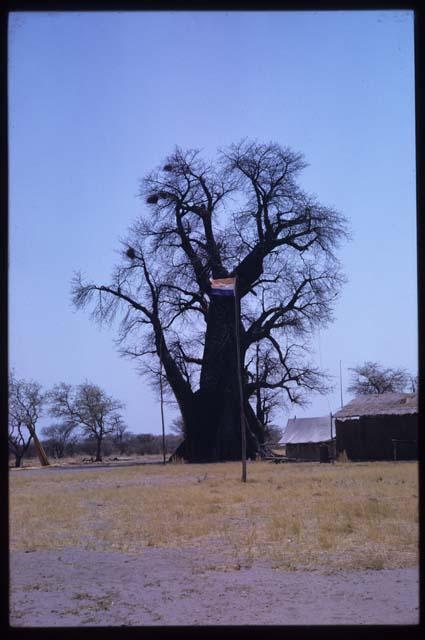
[[239, 372], [331, 448]]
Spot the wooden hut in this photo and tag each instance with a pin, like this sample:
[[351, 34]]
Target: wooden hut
[[378, 427], [306, 438]]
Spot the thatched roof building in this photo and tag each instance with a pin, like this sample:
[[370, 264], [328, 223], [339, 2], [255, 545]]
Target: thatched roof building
[[378, 427], [380, 404]]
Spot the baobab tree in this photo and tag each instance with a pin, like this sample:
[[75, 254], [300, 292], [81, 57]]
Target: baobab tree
[[244, 217]]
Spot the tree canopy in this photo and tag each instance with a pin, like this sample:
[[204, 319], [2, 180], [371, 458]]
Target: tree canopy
[[87, 407], [26, 404], [244, 216], [372, 377]]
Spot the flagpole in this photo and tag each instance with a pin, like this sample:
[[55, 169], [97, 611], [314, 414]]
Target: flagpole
[[161, 400], [238, 369]]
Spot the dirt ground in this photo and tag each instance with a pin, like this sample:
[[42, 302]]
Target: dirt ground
[[195, 585], [75, 587]]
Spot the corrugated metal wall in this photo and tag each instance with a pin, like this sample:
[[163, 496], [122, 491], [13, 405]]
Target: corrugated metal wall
[[308, 450], [305, 451]]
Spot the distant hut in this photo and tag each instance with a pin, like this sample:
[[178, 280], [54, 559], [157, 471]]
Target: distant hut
[[308, 438], [378, 427]]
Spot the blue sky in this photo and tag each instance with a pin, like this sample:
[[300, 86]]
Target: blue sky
[[99, 99]]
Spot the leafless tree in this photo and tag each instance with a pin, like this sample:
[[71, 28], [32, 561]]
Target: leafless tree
[[119, 433], [26, 402], [245, 217], [177, 427], [58, 436], [413, 383], [19, 440], [266, 382], [371, 377], [87, 407]]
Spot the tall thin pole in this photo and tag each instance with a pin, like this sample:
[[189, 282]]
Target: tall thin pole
[[238, 369], [162, 400], [340, 382]]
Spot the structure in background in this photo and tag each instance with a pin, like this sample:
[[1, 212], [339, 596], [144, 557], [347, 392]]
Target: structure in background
[[378, 427], [309, 438]]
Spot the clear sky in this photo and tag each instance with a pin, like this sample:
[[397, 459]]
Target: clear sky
[[99, 99]]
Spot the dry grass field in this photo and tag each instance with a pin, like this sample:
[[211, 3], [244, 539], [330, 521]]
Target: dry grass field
[[299, 516]]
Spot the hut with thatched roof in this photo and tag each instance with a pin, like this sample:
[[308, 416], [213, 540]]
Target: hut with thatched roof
[[378, 427]]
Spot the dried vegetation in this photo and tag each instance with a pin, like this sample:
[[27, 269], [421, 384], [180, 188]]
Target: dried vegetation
[[357, 515]]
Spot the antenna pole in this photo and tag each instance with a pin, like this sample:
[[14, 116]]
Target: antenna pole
[[340, 382]]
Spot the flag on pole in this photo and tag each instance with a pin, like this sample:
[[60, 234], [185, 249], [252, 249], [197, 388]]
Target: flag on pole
[[223, 286]]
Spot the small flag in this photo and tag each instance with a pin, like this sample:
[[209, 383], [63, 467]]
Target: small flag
[[223, 286]]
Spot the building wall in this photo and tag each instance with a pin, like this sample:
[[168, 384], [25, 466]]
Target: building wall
[[370, 437], [308, 450]]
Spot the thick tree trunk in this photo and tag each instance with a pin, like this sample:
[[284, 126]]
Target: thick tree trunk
[[98, 450], [39, 449], [18, 460], [213, 430]]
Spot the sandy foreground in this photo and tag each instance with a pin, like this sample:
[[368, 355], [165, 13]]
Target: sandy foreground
[[164, 586]]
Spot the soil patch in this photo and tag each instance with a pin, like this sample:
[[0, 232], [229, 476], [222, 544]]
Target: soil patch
[[167, 586]]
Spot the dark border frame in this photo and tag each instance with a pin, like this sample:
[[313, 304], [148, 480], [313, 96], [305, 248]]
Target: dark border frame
[[348, 631]]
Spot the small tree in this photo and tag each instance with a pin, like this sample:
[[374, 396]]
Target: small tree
[[58, 437], [19, 440], [413, 383], [146, 444], [265, 392], [119, 434], [26, 401], [177, 427], [274, 434], [371, 377], [87, 407]]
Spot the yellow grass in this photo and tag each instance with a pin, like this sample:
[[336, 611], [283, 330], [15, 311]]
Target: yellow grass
[[362, 515]]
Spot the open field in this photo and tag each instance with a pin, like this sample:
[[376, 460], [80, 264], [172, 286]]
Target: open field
[[146, 530], [84, 460], [299, 516]]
